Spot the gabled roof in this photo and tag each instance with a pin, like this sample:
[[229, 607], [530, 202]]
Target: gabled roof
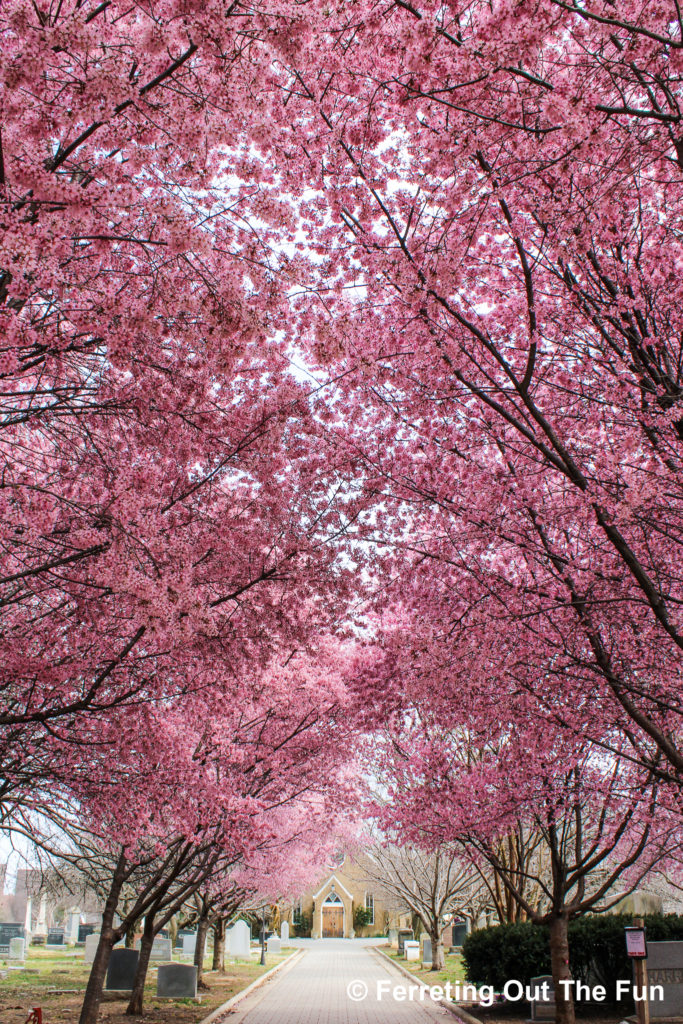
[[332, 878]]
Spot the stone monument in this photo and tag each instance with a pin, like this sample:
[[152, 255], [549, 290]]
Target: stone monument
[[665, 968], [91, 944], [240, 941], [177, 981], [284, 933], [123, 964], [411, 949], [161, 949]]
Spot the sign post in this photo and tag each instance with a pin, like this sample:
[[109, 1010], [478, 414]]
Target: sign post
[[636, 948]]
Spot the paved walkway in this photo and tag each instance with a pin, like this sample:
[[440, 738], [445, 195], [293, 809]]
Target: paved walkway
[[318, 989]]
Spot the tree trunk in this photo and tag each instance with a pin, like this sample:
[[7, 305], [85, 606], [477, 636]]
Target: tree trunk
[[130, 935], [438, 962], [202, 929], [559, 961], [93, 992], [134, 1008], [219, 945]]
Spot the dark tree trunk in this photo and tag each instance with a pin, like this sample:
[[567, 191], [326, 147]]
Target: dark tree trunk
[[219, 929], [202, 929], [134, 1008], [438, 962], [108, 936], [559, 961]]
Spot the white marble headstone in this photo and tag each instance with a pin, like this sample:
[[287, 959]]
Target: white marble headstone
[[16, 948], [91, 943], [284, 932], [240, 941], [274, 945]]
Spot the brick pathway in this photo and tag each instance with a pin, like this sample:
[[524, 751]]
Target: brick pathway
[[316, 991]]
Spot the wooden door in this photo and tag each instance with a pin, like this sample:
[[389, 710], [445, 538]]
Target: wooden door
[[333, 922]]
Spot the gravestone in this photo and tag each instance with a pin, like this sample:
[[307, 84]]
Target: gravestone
[[28, 920], [240, 941], [189, 943], [123, 964], [393, 936], [73, 923], [458, 933], [284, 933], [84, 930], [426, 950], [41, 923], [665, 968], [17, 948], [9, 930], [177, 981], [55, 937], [411, 949], [161, 949], [404, 933], [228, 940], [91, 944], [274, 945], [542, 1009]]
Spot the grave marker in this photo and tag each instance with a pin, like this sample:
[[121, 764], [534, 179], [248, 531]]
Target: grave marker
[[543, 1009], [240, 941], [177, 981], [123, 964], [161, 949]]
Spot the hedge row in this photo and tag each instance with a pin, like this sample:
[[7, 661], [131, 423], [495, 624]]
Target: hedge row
[[597, 949]]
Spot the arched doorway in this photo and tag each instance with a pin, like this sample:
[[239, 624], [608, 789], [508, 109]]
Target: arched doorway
[[333, 917]]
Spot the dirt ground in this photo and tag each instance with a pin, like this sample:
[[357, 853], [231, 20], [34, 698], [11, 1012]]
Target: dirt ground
[[56, 981]]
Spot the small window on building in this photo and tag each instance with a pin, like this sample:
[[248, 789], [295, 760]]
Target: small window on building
[[370, 905], [296, 913]]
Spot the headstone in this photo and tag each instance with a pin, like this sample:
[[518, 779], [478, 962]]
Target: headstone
[[458, 933], [426, 950], [411, 949], [240, 941], [393, 936], [189, 943], [404, 933], [274, 945], [17, 948], [542, 1009], [123, 964], [161, 949], [228, 940], [28, 922], [84, 930], [73, 923], [55, 936], [177, 981], [91, 944], [41, 923], [284, 933], [9, 930], [665, 968]]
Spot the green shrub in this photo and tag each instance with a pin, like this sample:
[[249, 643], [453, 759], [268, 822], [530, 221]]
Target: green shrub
[[597, 949], [361, 917], [302, 928]]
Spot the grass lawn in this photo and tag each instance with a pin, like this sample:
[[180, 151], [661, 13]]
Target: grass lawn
[[453, 970], [64, 971]]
